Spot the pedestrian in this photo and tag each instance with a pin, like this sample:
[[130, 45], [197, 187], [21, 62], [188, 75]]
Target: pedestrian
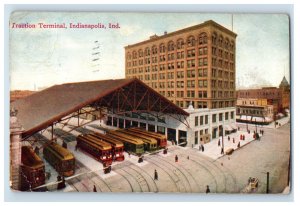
[[94, 189], [233, 140], [241, 137], [155, 175], [188, 157], [202, 147], [222, 150], [219, 143], [207, 189], [228, 138], [262, 132], [239, 145], [238, 128], [176, 158]]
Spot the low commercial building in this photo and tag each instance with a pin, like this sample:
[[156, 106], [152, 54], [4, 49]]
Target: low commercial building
[[254, 111], [200, 127], [278, 97]]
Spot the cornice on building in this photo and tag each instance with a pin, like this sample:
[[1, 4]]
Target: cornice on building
[[155, 37]]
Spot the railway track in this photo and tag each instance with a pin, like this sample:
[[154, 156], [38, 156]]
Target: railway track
[[216, 171], [186, 177]]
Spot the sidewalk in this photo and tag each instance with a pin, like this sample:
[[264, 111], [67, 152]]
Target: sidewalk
[[213, 151], [281, 121]]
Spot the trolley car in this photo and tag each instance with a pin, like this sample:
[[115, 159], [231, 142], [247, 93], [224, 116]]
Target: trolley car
[[60, 158], [98, 148], [117, 146], [32, 169], [131, 144], [161, 139], [150, 144]]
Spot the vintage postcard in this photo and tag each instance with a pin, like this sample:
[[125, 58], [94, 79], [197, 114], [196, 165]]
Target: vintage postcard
[[149, 102]]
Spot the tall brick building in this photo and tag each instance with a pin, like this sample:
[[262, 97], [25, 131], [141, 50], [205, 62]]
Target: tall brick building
[[195, 64]]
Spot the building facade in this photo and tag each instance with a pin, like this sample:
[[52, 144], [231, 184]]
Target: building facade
[[278, 97], [254, 111], [200, 127], [195, 64], [192, 67]]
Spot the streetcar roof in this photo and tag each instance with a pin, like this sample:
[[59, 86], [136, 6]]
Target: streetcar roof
[[95, 141], [150, 140], [153, 134], [41, 109], [115, 142], [61, 151], [125, 137]]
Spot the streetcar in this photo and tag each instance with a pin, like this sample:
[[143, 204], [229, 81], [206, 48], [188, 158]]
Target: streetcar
[[32, 169], [60, 158], [150, 144], [131, 144], [117, 146], [161, 139], [99, 149]]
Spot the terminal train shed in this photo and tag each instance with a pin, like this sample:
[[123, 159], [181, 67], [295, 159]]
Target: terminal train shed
[[59, 103]]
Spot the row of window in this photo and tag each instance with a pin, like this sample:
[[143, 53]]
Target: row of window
[[190, 63], [202, 72], [191, 41], [196, 104], [201, 120], [222, 117], [250, 111], [221, 104]]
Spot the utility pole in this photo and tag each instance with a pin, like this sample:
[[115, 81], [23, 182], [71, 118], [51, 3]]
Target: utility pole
[[267, 190], [255, 126]]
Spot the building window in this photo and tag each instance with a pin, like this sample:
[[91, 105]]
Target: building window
[[206, 119], [203, 38], [171, 46], [226, 115], [221, 117], [191, 41], [196, 121], [214, 118], [201, 120], [232, 115]]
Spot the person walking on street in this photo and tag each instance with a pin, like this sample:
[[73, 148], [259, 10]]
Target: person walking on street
[[94, 189], [155, 175], [202, 147], [222, 150], [228, 138], [239, 145], [233, 140], [176, 158], [188, 157], [207, 189]]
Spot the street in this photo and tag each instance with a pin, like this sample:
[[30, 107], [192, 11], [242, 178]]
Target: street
[[193, 171]]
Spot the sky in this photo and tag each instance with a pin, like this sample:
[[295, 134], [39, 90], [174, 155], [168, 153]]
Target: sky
[[42, 57]]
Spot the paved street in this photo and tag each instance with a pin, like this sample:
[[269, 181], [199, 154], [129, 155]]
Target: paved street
[[194, 170]]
